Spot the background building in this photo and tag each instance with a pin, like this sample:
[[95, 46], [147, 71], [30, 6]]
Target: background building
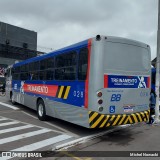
[[16, 44]]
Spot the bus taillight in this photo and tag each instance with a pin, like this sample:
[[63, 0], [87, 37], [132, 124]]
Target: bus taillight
[[99, 94], [100, 101]]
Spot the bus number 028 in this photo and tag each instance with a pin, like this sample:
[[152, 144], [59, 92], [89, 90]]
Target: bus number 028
[[78, 94]]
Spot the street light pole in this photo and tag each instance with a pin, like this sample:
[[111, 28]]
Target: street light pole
[[157, 68]]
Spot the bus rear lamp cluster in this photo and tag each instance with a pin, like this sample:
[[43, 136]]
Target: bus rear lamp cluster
[[99, 94], [100, 109], [100, 101], [98, 37]]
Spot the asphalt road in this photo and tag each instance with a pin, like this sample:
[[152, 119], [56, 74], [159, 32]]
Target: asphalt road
[[141, 138], [20, 129]]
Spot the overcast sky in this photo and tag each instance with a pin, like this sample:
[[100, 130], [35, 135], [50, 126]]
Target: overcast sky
[[63, 22]]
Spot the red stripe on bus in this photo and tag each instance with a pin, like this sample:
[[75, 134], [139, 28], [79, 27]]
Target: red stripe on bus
[[105, 81], [88, 71], [148, 82], [47, 90]]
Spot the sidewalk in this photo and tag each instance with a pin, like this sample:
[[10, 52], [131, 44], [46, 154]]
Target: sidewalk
[[139, 137]]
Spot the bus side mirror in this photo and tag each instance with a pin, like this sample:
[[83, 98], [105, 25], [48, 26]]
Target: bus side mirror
[[5, 74]]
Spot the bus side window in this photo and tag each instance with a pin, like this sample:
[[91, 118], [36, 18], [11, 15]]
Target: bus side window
[[50, 74], [16, 77], [66, 66], [34, 75], [16, 73], [82, 64], [24, 76]]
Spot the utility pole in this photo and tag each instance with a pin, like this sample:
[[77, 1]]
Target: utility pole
[[157, 68]]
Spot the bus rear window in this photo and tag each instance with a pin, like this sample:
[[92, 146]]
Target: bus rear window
[[82, 64], [126, 58]]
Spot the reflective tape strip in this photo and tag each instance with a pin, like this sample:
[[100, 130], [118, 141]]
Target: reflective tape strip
[[108, 124], [67, 92], [92, 117], [130, 120], [60, 92], [102, 125], [118, 117], [143, 116], [126, 120], [135, 118], [97, 122], [139, 117], [122, 119], [89, 112], [147, 113]]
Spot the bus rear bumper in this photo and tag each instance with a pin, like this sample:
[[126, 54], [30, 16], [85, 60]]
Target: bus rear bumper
[[97, 120]]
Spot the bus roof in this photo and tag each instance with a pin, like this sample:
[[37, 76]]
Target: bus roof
[[79, 45], [57, 52]]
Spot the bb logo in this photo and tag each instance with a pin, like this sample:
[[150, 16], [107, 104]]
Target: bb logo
[[115, 97]]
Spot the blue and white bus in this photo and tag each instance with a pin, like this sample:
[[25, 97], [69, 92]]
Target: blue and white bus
[[100, 82], [153, 78]]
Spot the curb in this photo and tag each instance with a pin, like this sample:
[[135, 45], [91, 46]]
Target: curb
[[87, 138]]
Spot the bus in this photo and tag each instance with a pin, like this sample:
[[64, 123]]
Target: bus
[[97, 83], [2, 77], [153, 77]]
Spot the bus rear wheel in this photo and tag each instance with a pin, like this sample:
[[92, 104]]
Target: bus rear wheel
[[41, 111]]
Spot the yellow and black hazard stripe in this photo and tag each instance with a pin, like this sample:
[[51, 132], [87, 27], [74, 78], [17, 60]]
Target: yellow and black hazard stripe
[[63, 92], [97, 120]]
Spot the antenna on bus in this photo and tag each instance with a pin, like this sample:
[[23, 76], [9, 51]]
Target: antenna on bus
[[16, 61], [98, 37]]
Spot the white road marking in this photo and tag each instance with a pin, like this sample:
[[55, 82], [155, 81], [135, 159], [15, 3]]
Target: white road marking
[[29, 115], [8, 123], [41, 144], [15, 129], [9, 106], [87, 138], [25, 135], [2, 119], [62, 129], [33, 146], [53, 125], [33, 125]]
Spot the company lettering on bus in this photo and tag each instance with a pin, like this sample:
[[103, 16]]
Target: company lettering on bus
[[95, 83]]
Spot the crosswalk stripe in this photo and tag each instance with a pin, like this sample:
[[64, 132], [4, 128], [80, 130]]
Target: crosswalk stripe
[[41, 144], [8, 105], [15, 129], [8, 123], [21, 136], [2, 119]]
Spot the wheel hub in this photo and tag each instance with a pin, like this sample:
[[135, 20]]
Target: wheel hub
[[40, 110]]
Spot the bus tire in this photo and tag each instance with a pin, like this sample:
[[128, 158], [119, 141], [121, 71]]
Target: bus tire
[[41, 111], [12, 100]]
